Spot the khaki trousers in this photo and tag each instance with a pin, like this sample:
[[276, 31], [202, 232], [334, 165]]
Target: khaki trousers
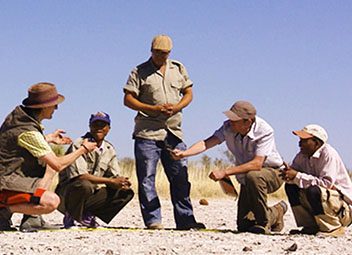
[[332, 212], [253, 199]]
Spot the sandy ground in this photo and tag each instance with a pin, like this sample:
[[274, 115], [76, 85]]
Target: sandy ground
[[127, 235]]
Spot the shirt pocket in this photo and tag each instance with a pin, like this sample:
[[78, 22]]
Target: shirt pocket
[[175, 91], [152, 92]]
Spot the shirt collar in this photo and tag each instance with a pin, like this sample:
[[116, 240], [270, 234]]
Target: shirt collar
[[101, 149], [250, 134], [168, 65], [318, 152]]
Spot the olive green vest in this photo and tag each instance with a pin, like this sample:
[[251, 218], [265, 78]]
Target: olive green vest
[[14, 158]]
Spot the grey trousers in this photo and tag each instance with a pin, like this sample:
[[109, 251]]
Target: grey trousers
[[252, 203], [82, 196]]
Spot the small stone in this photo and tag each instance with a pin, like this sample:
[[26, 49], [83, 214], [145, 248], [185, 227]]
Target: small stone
[[293, 247], [246, 248], [203, 201], [109, 252]]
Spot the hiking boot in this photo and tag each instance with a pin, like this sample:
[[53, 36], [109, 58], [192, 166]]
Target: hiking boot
[[304, 231], [155, 226], [89, 221], [192, 226], [279, 224], [257, 229], [33, 223], [5, 220], [335, 233], [69, 222]]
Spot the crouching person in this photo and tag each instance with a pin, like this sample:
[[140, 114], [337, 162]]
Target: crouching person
[[91, 186], [27, 162], [318, 185]]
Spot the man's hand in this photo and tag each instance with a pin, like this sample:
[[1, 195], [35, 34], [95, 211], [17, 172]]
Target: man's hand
[[217, 175], [288, 174], [58, 138], [176, 154], [119, 182], [169, 109], [89, 146]]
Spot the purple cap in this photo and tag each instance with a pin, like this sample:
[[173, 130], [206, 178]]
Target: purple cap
[[99, 116]]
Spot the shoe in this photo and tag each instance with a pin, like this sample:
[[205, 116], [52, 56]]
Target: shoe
[[304, 231], [279, 224], [69, 222], [257, 229], [192, 226], [155, 226], [335, 233], [33, 223], [89, 221], [5, 220]]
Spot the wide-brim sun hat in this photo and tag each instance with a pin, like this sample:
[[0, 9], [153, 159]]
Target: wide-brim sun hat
[[42, 95]]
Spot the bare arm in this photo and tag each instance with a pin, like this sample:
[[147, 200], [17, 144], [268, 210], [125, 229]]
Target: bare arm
[[133, 103], [59, 163], [185, 100], [196, 148], [117, 182]]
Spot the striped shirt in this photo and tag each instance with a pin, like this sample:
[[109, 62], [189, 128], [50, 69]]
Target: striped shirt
[[35, 143]]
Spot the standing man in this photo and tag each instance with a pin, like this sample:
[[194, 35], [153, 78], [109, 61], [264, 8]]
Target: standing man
[[251, 140], [27, 162], [318, 186], [91, 186], [158, 90]]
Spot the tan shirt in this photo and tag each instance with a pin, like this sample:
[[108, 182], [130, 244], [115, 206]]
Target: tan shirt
[[101, 162], [151, 87]]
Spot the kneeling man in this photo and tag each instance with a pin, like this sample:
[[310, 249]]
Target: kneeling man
[[318, 186], [91, 186]]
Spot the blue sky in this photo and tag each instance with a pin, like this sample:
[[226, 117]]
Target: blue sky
[[291, 59]]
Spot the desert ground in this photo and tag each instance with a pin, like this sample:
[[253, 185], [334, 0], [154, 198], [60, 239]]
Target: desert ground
[[126, 235]]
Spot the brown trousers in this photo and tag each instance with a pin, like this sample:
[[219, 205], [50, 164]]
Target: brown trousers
[[82, 196], [253, 199]]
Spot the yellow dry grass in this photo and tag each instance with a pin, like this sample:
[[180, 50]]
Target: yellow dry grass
[[201, 185]]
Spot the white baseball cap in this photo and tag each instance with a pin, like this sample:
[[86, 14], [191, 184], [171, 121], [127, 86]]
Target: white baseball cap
[[312, 130]]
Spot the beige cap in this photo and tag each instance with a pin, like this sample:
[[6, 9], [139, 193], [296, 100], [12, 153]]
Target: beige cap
[[162, 42], [241, 110], [311, 131]]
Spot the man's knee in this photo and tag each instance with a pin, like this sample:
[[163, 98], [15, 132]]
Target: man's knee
[[50, 201], [129, 194], [292, 192], [82, 187], [313, 194], [253, 178]]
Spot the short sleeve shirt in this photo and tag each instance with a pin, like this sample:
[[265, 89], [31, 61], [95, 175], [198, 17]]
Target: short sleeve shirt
[[151, 87], [259, 141], [35, 143], [101, 162]]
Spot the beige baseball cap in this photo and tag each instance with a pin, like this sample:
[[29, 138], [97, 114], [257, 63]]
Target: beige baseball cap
[[312, 130], [241, 110], [162, 42]]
